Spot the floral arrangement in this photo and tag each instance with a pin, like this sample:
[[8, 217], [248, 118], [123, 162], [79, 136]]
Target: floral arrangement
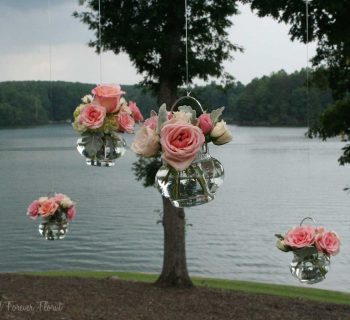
[[189, 176], [300, 237], [312, 248], [100, 117], [55, 212], [179, 136], [46, 207]]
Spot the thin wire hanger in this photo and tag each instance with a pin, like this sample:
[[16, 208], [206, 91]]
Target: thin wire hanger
[[307, 63], [186, 48], [100, 38], [49, 17]]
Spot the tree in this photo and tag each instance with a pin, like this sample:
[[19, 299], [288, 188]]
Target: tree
[[152, 33], [334, 121], [329, 26]]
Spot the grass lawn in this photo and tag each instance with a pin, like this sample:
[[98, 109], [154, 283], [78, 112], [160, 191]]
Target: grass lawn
[[245, 286]]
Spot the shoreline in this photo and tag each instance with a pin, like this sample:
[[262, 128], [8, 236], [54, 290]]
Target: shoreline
[[291, 291], [96, 297]]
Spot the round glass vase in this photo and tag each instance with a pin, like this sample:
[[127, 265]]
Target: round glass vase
[[54, 227], [309, 266], [100, 150], [194, 186]]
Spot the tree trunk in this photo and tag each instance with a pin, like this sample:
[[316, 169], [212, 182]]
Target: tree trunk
[[174, 271]]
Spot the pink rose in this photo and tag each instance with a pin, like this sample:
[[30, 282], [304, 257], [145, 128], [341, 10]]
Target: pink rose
[[71, 213], [92, 116], [33, 209], [125, 122], [152, 122], [180, 142], [146, 142], [136, 113], [48, 207], [205, 123], [59, 197], [300, 237], [108, 96], [328, 242]]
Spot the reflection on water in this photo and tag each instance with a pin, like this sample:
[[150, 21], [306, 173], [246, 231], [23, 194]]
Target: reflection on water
[[273, 178]]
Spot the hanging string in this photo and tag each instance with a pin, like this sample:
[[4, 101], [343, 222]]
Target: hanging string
[[186, 43], [100, 38], [309, 167], [307, 63], [52, 182], [50, 43]]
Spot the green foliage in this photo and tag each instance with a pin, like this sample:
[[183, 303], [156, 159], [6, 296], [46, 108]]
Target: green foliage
[[93, 142], [145, 170], [152, 33], [328, 25], [38, 102], [335, 121], [162, 116], [18, 108], [279, 100], [216, 114]]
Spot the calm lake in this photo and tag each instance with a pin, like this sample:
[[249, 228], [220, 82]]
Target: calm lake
[[274, 177]]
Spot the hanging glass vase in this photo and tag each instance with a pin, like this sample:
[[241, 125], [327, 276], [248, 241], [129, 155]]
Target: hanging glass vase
[[54, 227], [101, 149], [309, 266], [194, 186]]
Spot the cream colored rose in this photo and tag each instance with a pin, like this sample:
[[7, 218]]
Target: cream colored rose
[[122, 105], [66, 203], [183, 116], [87, 99], [125, 108], [221, 134], [43, 199], [146, 142]]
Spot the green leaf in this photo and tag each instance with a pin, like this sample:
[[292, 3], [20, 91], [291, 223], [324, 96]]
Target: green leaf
[[92, 142], [279, 236], [306, 252], [215, 114], [109, 141], [153, 113], [280, 245], [162, 116]]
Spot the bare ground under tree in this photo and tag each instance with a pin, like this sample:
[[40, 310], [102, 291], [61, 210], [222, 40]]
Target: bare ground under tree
[[117, 299]]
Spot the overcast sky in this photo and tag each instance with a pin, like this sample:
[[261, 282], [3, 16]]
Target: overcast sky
[[25, 35]]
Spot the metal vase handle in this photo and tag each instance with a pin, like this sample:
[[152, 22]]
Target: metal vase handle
[[187, 97], [308, 218]]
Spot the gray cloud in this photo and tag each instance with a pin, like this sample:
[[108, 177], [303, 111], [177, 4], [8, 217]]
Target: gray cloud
[[22, 29], [24, 5], [25, 35]]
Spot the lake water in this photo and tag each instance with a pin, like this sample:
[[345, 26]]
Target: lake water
[[274, 178]]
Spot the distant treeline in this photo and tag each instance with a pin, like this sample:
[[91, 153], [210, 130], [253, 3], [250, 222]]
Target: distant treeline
[[276, 100]]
